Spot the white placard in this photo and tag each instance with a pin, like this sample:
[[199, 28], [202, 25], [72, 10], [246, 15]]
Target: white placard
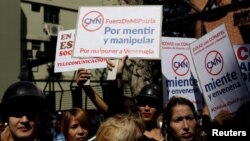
[[179, 75], [63, 60], [242, 53], [118, 31], [218, 72]]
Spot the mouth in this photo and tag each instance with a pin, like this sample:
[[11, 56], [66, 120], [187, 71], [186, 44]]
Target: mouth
[[146, 114], [187, 135], [24, 129], [81, 139]]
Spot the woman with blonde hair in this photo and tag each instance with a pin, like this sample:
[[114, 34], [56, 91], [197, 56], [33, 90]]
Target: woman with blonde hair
[[75, 125], [121, 127]]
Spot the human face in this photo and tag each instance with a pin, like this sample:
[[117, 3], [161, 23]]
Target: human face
[[23, 127], [183, 123], [148, 113], [76, 132]]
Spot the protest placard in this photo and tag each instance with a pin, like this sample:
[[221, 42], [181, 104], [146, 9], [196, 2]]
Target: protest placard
[[179, 75], [242, 53], [118, 31], [218, 72], [63, 59]]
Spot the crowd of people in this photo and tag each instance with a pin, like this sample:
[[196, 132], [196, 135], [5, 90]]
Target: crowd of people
[[139, 118]]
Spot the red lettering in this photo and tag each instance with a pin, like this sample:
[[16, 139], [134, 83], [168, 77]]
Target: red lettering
[[240, 53], [65, 53], [66, 45], [82, 50], [65, 36], [70, 44], [63, 45]]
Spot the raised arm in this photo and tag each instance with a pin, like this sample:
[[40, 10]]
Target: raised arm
[[83, 75], [114, 100]]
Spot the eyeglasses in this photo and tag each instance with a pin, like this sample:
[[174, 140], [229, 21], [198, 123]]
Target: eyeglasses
[[23, 111], [148, 103]]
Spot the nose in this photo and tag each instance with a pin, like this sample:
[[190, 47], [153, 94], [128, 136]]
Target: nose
[[185, 125], [80, 130], [147, 107], [24, 119]]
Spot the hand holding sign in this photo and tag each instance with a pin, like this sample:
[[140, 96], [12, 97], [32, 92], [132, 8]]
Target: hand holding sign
[[83, 76], [115, 67]]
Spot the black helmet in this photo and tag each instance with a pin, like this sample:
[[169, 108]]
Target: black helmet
[[22, 89], [22, 95], [150, 94]]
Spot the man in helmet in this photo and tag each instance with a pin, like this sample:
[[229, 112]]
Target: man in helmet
[[149, 101], [23, 104]]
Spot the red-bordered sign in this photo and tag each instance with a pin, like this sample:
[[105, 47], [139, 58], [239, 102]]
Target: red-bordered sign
[[214, 62], [92, 21], [180, 64]]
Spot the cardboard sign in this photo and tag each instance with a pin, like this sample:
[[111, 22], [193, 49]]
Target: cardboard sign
[[63, 60], [118, 31], [179, 76], [218, 72], [242, 53]]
